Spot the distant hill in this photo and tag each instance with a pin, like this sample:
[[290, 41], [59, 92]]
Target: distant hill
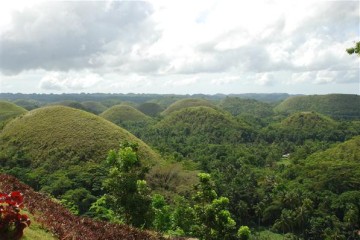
[[305, 125], [238, 106], [9, 110], [150, 109], [28, 104], [69, 103], [186, 103], [93, 107], [57, 133], [336, 169], [119, 114], [192, 129], [338, 106]]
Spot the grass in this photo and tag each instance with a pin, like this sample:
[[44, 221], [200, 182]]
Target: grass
[[94, 107], [36, 231], [338, 106], [124, 113], [186, 103], [9, 110], [64, 134]]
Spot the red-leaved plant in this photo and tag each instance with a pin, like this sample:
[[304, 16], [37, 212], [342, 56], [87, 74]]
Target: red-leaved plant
[[12, 223]]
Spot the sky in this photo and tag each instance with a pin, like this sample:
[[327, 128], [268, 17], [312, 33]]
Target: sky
[[180, 47]]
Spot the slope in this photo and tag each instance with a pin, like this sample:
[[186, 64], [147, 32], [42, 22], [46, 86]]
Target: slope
[[186, 103], [119, 114], [9, 110], [338, 106]]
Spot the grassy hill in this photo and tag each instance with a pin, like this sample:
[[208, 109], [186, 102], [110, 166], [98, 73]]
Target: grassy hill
[[9, 110], [28, 104], [186, 103], [150, 109], [64, 134], [192, 129], [338, 106], [238, 106], [301, 126], [119, 114], [69, 103], [93, 107]]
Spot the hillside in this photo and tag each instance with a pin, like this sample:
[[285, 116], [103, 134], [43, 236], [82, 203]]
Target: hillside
[[57, 132], [186, 103], [119, 114], [63, 224], [9, 110], [237, 106], [93, 107], [190, 130], [69, 103], [150, 109], [305, 125], [338, 106], [28, 104]]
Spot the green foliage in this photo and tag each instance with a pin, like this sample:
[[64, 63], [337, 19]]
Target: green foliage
[[244, 233], [119, 114], [212, 219], [93, 107], [355, 49], [127, 190], [187, 103], [238, 106], [337, 106], [28, 104], [150, 109]]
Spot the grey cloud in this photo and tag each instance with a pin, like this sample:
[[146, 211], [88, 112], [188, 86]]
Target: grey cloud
[[74, 35]]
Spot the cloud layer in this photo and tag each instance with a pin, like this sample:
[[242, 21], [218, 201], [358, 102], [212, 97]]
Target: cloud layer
[[90, 46]]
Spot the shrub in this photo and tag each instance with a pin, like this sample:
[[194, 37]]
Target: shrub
[[12, 223]]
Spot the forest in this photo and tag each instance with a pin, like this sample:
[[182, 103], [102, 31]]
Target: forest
[[241, 166]]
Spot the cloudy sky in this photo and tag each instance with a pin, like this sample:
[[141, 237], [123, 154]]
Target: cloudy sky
[[184, 47]]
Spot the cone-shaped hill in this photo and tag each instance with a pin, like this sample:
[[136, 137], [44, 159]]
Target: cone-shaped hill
[[9, 110], [305, 125], [69, 103], [59, 134], [192, 129], [119, 114], [338, 106], [186, 103], [28, 104], [238, 106], [150, 109], [94, 107]]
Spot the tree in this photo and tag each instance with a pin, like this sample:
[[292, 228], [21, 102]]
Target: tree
[[128, 192], [355, 49], [213, 220]]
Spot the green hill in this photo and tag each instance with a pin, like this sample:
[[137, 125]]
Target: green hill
[[338, 106], [9, 110], [301, 126], [119, 114], [93, 107], [186, 103], [150, 109], [28, 104], [69, 103], [336, 169], [59, 134], [238, 106], [191, 130]]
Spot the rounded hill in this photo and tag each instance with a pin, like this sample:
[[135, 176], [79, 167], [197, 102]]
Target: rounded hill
[[191, 130], [9, 110], [150, 109], [93, 107], [55, 135], [301, 126], [238, 106], [186, 103], [119, 114], [69, 103], [338, 106]]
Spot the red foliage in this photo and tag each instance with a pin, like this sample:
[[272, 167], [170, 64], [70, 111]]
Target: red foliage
[[64, 224], [12, 223]]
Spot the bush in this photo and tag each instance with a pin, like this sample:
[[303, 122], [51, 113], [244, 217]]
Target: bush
[[12, 223]]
